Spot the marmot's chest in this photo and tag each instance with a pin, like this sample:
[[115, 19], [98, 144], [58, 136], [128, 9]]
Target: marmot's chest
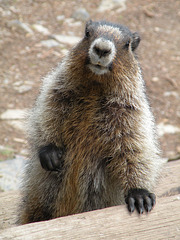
[[96, 125]]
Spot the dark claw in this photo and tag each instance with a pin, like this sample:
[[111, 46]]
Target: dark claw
[[51, 157], [139, 203], [148, 204], [131, 205], [153, 198], [141, 199]]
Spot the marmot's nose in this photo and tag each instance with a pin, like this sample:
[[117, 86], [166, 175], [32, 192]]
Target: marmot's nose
[[101, 52]]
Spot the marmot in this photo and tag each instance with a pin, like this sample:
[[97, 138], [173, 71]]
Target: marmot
[[91, 133]]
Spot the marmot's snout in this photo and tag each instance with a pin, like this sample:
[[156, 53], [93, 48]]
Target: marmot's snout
[[101, 54]]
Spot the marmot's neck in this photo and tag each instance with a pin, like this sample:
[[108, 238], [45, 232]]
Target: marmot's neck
[[118, 85], [119, 81]]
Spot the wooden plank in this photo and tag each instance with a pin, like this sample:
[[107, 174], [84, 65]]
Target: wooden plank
[[8, 208], [169, 182], [168, 185], [110, 223]]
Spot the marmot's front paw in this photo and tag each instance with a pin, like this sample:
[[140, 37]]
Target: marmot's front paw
[[51, 157], [140, 199]]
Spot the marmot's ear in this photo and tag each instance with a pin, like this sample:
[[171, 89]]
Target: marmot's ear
[[136, 40], [87, 28], [88, 23]]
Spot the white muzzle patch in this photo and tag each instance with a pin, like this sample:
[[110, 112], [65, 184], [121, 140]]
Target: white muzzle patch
[[101, 54]]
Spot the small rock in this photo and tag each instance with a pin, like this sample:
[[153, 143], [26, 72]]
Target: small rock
[[64, 52], [70, 40], [13, 114], [75, 24], [167, 129], [14, 9], [6, 81], [5, 13], [24, 152], [4, 148], [178, 113], [157, 29], [69, 20], [11, 172], [17, 83], [19, 24], [178, 149], [19, 140], [49, 43], [60, 18], [171, 93], [155, 79], [107, 5], [39, 28], [17, 124], [81, 14], [23, 88]]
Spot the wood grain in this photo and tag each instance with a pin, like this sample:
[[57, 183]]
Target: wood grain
[[110, 223]]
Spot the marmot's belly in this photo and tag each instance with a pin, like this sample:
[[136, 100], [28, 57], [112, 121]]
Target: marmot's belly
[[92, 138], [90, 135]]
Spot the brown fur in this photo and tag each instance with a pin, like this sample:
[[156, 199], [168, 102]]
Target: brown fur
[[106, 126]]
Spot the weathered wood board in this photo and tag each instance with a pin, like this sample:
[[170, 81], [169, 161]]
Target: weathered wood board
[[107, 223], [169, 182], [8, 208], [110, 224]]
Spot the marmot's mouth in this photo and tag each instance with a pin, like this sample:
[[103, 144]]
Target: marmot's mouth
[[99, 66], [99, 69]]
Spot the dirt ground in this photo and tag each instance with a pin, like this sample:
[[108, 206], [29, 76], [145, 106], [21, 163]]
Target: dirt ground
[[24, 61]]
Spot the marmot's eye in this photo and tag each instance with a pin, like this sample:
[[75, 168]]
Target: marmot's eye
[[127, 44]]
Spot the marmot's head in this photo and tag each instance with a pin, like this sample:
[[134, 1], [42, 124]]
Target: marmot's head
[[106, 48]]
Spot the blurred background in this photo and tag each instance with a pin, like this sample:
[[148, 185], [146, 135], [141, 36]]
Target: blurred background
[[36, 34]]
